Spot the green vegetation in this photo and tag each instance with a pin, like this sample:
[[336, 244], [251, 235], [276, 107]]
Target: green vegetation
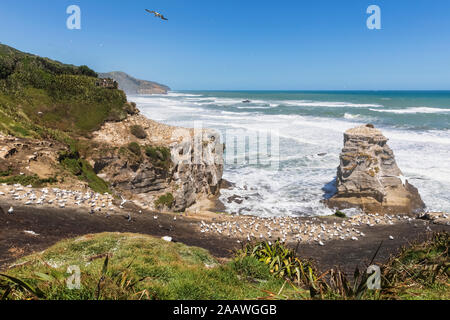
[[129, 266], [38, 93], [160, 156], [135, 148], [166, 200], [79, 167], [45, 99], [25, 180], [6, 173], [282, 261], [340, 214], [138, 132], [420, 271]]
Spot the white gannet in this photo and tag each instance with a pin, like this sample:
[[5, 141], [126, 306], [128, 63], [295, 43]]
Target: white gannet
[[123, 201], [402, 178]]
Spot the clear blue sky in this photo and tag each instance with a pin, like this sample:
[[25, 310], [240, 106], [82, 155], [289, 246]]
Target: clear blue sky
[[244, 44]]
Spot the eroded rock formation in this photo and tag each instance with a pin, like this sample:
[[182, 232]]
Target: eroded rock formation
[[150, 161], [368, 176]]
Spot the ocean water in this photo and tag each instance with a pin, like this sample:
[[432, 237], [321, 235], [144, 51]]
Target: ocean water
[[308, 128]]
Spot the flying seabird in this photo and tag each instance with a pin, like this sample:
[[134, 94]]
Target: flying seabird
[[157, 14]]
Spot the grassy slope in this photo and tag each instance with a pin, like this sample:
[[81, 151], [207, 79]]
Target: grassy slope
[[421, 271], [142, 267], [45, 99], [38, 93], [166, 270]]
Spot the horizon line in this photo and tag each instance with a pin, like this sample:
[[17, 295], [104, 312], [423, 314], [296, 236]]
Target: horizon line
[[318, 90]]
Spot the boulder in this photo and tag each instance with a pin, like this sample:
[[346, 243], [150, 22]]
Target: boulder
[[368, 176], [441, 218]]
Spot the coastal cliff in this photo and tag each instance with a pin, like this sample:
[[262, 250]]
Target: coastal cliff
[[133, 86], [368, 176], [62, 126], [160, 166]]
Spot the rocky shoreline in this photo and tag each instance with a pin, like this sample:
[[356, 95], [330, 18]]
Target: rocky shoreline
[[191, 180]]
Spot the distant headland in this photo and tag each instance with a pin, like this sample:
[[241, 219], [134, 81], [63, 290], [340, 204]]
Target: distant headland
[[132, 85]]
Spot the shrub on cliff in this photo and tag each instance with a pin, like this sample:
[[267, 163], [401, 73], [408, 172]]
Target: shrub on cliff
[[86, 71], [166, 201], [138, 132], [135, 148], [160, 156], [72, 162]]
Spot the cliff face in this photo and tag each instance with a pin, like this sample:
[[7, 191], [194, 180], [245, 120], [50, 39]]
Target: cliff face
[[135, 86], [368, 176], [62, 126], [157, 165]]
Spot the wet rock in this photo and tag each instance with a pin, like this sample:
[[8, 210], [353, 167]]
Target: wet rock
[[235, 198], [440, 218], [225, 184]]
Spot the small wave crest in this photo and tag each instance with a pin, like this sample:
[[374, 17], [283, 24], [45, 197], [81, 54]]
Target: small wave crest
[[413, 110]]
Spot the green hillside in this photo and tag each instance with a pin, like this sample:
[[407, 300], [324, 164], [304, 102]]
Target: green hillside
[[39, 96], [44, 99]]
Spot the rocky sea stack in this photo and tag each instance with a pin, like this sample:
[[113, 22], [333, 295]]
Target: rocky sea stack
[[368, 176]]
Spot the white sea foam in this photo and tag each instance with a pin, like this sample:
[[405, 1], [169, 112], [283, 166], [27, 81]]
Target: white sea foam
[[181, 94], [253, 107], [329, 104], [296, 189], [413, 110], [351, 116]]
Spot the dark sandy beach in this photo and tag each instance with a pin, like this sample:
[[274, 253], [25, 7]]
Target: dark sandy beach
[[53, 225]]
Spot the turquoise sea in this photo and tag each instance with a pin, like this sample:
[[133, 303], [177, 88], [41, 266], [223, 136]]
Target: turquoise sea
[[308, 126]]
